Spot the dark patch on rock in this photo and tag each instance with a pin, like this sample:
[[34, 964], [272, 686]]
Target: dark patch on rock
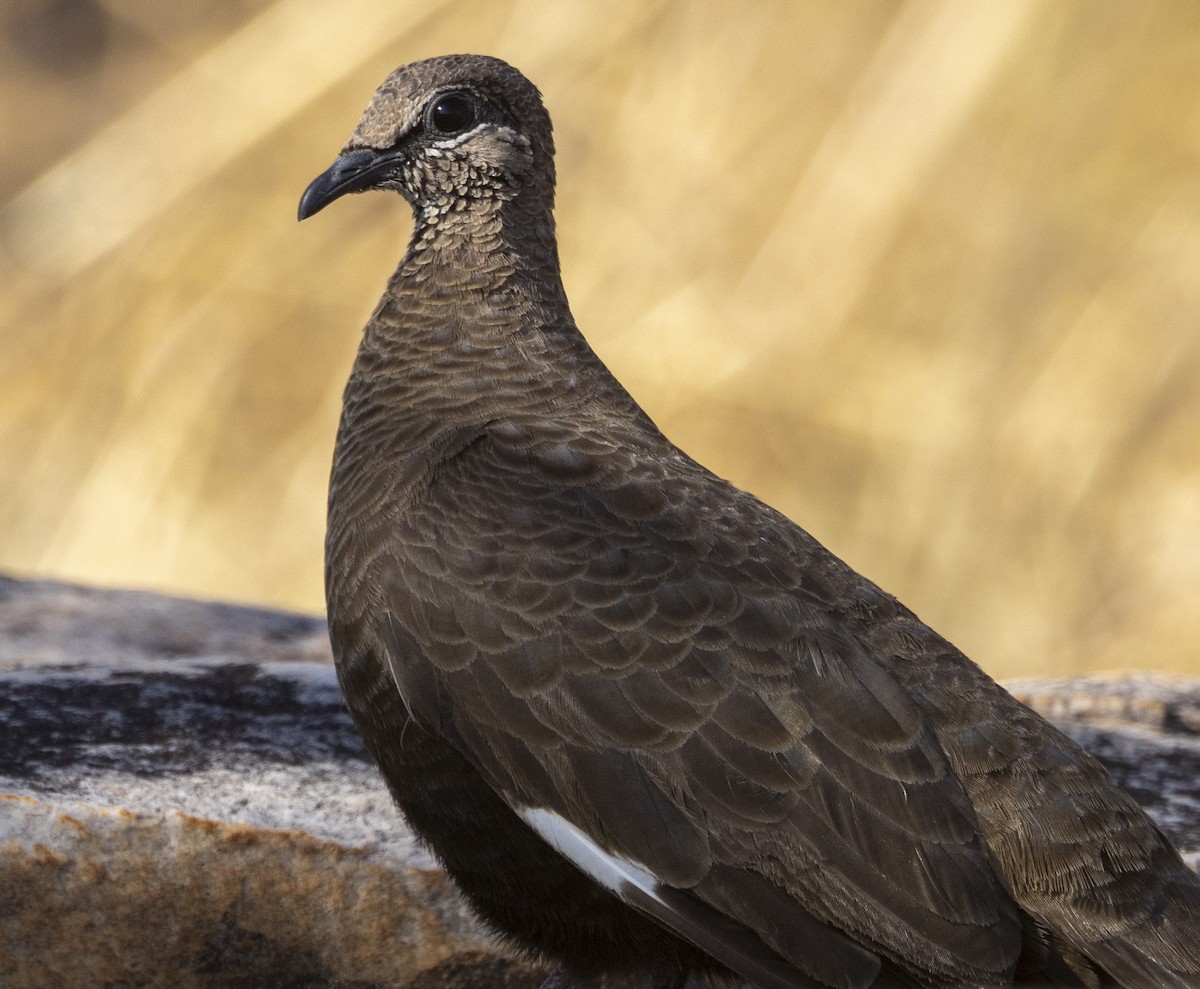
[[173, 719], [236, 958], [479, 970]]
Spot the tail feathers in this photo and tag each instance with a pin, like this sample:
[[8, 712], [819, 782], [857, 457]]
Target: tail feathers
[[1164, 951]]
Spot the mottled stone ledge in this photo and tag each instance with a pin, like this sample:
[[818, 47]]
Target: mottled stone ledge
[[184, 802]]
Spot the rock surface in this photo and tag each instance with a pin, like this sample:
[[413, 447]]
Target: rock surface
[[184, 802]]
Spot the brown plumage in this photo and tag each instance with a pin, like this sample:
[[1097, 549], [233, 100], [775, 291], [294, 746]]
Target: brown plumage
[[649, 724]]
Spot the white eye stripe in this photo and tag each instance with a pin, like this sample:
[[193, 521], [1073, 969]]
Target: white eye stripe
[[453, 142]]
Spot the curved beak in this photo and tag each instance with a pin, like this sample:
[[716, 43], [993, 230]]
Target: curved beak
[[353, 171]]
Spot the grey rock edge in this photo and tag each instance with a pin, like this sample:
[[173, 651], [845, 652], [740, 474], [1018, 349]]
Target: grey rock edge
[[184, 802]]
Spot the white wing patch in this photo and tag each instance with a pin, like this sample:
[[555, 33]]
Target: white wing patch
[[610, 871], [737, 946]]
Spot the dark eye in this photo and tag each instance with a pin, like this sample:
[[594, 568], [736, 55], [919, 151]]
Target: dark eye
[[451, 113]]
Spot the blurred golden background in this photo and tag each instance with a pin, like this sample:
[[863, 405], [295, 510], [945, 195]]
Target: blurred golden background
[[925, 276]]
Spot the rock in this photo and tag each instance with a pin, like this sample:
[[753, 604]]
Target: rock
[[184, 802], [47, 623], [99, 896]]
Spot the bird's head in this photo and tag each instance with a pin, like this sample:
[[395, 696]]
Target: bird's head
[[453, 135]]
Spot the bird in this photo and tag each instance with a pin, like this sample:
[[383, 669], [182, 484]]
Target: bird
[[651, 727]]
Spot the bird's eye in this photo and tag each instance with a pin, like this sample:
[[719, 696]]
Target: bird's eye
[[451, 113]]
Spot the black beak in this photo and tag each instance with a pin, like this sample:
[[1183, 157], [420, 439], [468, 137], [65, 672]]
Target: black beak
[[354, 171]]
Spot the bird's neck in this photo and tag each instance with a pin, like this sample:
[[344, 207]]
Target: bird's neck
[[504, 250], [474, 326], [472, 331]]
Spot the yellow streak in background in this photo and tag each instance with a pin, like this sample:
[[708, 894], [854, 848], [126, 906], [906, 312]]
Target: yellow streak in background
[[123, 181], [192, 126], [960, 345], [931, 69]]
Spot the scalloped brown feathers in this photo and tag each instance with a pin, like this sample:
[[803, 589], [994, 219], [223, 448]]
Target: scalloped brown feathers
[[650, 725]]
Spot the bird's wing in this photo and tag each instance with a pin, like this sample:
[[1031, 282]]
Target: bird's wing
[[1074, 849], [654, 671]]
